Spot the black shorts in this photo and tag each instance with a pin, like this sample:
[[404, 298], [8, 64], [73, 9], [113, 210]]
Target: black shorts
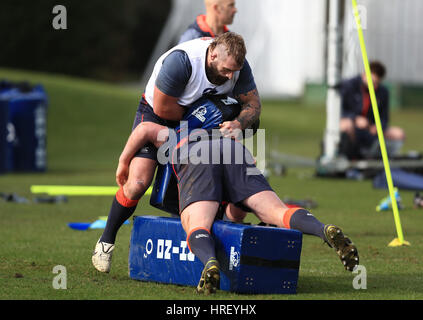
[[230, 180], [145, 113]]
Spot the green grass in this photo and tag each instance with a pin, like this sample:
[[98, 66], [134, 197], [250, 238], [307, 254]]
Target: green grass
[[88, 125]]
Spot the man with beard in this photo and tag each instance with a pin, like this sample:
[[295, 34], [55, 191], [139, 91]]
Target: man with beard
[[181, 76]]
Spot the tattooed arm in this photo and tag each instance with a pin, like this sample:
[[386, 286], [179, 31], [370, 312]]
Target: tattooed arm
[[250, 108], [250, 113]]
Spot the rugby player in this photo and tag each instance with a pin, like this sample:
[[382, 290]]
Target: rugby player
[[203, 186], [181, 76], [219, 14]]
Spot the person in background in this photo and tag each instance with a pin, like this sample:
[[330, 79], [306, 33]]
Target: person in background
[[358, 129], [219, 14]]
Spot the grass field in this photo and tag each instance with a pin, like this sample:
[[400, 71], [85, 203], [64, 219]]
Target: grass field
[[88, 124]]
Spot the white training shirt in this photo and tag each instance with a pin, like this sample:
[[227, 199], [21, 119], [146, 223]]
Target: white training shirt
[[198, 83]]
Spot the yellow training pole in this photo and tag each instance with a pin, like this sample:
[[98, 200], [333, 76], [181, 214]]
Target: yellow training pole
[[400, 240]]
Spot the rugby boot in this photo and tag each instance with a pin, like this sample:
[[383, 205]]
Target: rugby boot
[[210, 278], [102, 256], [345, 249]]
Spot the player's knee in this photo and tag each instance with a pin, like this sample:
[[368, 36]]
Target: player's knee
[[234, 213], [135, 188], [146, 126]]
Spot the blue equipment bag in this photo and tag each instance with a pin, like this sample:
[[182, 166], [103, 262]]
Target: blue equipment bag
[[5, 164], [26, 127], [28, 112], [7, 129], [253, 259]]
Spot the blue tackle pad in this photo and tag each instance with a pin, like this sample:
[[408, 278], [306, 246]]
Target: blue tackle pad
[[253, 259]]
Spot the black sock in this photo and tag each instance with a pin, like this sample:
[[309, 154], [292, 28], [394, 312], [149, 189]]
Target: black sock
[[117, 216], [302, 220], [201, 244]]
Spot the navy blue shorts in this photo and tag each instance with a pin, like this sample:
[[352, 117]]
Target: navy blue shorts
[[145, 113], [230, 180]]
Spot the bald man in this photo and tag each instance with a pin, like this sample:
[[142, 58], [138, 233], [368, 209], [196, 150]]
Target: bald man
[[219, 14]]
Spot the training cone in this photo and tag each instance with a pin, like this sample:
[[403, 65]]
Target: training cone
[[397, 243]]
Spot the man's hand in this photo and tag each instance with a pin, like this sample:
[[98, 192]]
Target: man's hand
[[373, 130], [361, 122], [122, 173], [231, 129]]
